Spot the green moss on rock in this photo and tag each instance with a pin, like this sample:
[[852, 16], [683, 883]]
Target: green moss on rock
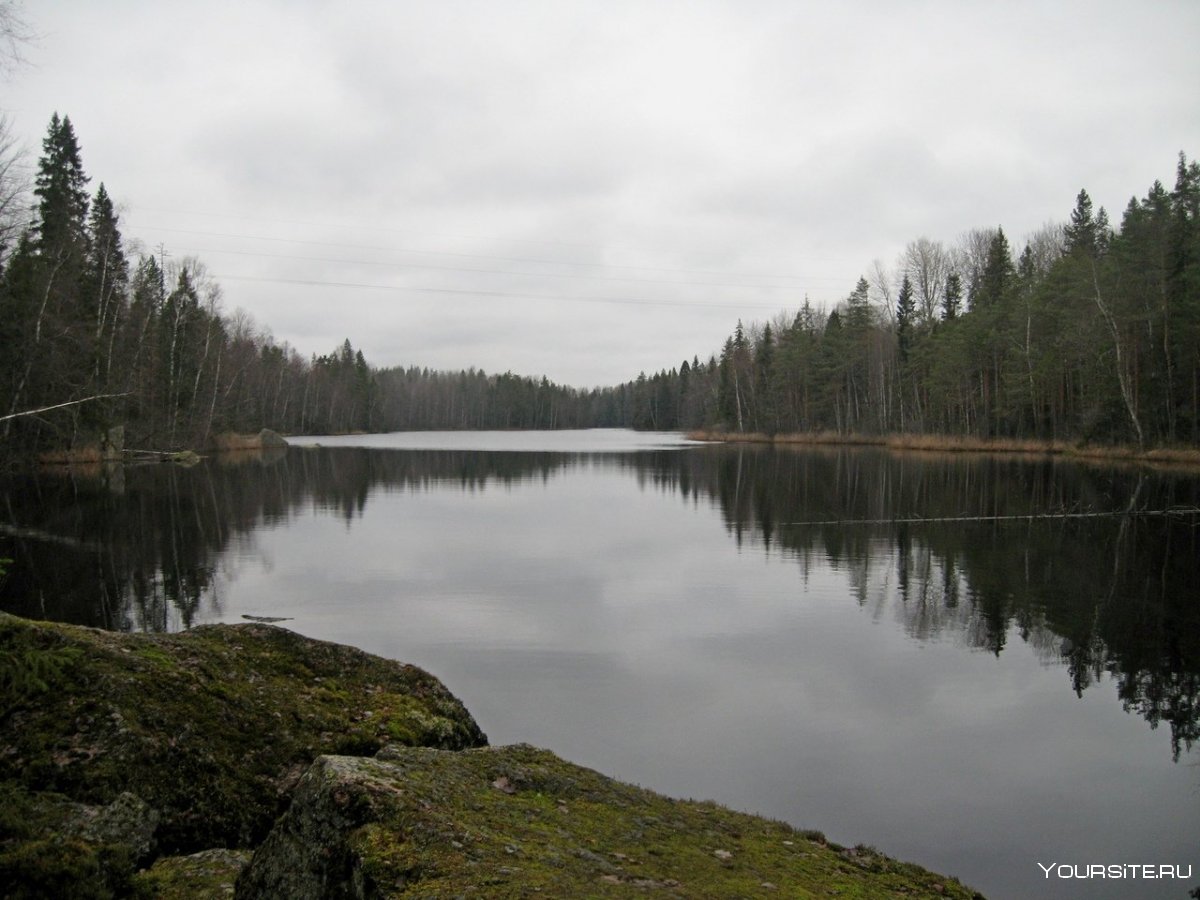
[[520, 822], [207, 875]]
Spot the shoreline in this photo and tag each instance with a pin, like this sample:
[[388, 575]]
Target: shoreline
[[936, 443]]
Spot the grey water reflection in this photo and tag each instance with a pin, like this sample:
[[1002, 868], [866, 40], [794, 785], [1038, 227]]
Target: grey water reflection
[[1099, 595], [919, 652]]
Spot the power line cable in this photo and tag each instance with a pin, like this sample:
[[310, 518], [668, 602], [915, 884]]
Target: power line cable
[[633, 301], [534, 261], [374, 228], [427, 233]]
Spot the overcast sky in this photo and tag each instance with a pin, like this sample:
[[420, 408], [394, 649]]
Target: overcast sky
[[587, 190]]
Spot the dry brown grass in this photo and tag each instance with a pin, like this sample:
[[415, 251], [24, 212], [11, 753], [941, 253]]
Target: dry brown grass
[[958, 444], [1187, 455], [833, 438], [808, 438], [74, 456], [229, 441]]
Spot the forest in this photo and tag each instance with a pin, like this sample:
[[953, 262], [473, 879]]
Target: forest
[[1090, 333]]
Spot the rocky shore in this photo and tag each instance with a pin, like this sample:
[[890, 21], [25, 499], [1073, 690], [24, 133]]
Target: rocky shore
[[249, 761]]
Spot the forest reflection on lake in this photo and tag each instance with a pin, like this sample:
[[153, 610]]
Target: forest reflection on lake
[[852, 640]]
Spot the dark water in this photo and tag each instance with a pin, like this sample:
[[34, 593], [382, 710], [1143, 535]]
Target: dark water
[[799, 634]]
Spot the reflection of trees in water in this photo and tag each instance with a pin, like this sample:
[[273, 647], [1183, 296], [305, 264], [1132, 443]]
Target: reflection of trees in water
[[1114, 596], [139, 548], [1101, 595]]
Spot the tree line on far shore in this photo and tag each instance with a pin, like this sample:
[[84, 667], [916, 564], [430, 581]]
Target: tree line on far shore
[[1089, 333]]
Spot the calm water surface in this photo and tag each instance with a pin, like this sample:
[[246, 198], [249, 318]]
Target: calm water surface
[[795, 633]]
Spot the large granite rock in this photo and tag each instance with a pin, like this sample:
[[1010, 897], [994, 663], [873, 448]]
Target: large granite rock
[[209, 730]]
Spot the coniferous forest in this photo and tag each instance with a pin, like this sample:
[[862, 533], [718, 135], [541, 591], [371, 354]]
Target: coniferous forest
[[1088, 332]]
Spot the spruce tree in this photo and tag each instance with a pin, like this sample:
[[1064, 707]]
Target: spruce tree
[[61, 189], [858, 306], [105, 281], [1080, 232], [952, 298], [45, 298], [1183, 291], [996, 278], [906, 308], [764, 378]]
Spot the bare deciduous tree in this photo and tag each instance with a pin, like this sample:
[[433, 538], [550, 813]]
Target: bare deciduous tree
[[14, 178], [880, 280], [927, 264], [14, 188], [971, 255], [15, 33], [1046, 246]]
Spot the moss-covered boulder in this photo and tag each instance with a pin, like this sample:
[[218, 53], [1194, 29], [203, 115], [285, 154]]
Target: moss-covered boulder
[[211, 727], [207, 875], [520, 822], [52, 846]]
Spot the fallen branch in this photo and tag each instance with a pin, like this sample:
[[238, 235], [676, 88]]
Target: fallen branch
[[34, 412], [36, 534]]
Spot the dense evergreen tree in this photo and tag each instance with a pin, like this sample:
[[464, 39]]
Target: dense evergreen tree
[[1081, 230], [62, 194], [905, 313], [104, 287], [763, 399], [952, 297], [51, 329]]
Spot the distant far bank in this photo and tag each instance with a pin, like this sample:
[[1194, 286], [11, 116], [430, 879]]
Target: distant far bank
[[624, 439], [943, 443]]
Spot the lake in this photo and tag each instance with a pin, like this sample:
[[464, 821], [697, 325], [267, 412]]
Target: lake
[[964, 661]]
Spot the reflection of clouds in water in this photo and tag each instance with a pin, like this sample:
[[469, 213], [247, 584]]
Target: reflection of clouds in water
[[589, 441], [628, 632]]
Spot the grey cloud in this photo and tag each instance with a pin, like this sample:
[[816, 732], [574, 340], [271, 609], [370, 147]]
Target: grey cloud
[[781, 139]]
